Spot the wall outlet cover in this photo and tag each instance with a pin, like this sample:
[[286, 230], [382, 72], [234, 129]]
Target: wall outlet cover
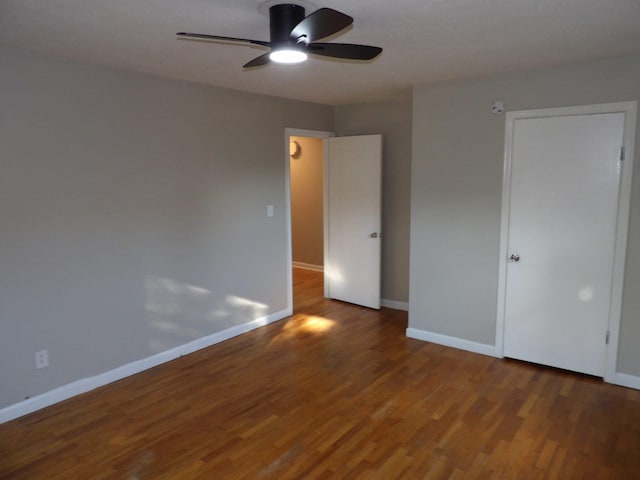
[[42, 359]]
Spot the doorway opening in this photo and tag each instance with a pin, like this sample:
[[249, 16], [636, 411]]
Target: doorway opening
[[352, 215], [306, 168], [305, 203]]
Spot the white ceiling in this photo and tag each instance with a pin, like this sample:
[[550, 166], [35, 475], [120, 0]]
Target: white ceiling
[[423, 40]]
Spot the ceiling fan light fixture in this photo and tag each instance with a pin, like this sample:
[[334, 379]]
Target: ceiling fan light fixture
[[288, 55], [292, 35]]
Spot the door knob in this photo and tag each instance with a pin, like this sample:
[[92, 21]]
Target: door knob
[[374, 235], [514, 257]]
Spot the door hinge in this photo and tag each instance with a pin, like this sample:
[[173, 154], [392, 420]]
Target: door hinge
[[606, 338], [622, 154]]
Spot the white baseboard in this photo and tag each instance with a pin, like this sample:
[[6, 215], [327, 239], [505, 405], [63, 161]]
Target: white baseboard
[[454, 342], [622, 379], [308, 266], [86, 384], [395, 304], [625, 380]]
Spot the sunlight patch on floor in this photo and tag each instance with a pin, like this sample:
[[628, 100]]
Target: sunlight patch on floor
[[304, 325], [315, 324]]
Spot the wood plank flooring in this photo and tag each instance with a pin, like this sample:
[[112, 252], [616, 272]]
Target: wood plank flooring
[[335, 391]]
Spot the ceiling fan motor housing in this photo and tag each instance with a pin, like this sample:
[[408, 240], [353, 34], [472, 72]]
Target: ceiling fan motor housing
[[282, 19]]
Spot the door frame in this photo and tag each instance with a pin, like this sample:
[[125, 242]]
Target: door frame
[[299, 132], [622, 221]]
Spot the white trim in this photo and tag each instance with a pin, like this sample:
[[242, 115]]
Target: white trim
[[622, 224], [296, 132], [504, 234], [86, 384], [620, 252], [308, 266], [404, 306], [325, 213], [454, 342], [301, 132], [624, 380]]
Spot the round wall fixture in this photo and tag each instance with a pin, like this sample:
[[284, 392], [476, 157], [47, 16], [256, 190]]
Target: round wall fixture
[[294, 149], [497, 107]]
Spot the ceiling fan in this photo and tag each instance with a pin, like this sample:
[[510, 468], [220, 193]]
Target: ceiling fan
[[294, 35]]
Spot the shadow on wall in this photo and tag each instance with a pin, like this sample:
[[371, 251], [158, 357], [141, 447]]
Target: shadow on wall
[[179, 312]]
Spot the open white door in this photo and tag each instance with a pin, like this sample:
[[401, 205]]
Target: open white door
[[353, 219]]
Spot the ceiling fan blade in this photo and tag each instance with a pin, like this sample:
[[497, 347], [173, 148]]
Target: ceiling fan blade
[[202, 36], [320, 24], [344, 50], [258, 61]]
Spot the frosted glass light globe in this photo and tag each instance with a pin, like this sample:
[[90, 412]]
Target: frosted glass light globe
[[288, 55]]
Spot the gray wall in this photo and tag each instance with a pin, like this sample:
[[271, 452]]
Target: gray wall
[[456, 194], [307, 204], [393, 121], [133, 213]]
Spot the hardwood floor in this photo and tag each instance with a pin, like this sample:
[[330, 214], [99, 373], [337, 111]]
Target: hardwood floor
[[335, 391]]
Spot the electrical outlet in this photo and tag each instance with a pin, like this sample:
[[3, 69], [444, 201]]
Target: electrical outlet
[[42, 359]]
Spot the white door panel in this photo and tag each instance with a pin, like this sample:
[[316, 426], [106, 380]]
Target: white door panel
[[562, 223], [354, 180]]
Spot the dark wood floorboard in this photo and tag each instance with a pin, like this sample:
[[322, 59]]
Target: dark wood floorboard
[[335, 391]]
